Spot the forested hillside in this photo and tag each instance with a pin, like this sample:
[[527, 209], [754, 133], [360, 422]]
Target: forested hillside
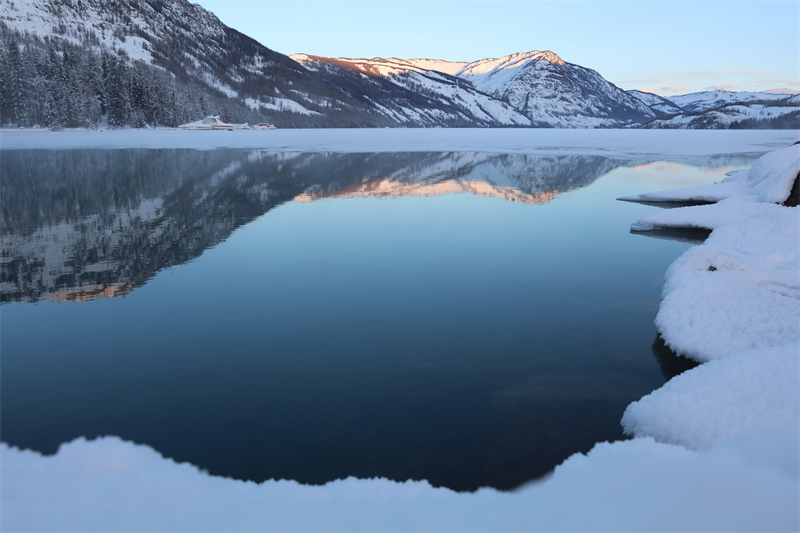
[[54, 83]]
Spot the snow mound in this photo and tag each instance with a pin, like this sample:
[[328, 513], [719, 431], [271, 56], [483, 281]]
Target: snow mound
[[740, 290], [771, 177], [721, 400]]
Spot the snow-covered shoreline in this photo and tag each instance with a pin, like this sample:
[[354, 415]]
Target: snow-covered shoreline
[[715, 448], [733, 303]]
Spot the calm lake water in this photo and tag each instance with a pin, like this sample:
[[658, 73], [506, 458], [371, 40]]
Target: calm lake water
[[471, 319]]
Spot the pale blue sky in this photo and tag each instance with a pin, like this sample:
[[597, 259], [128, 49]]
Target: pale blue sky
[[672, 47]]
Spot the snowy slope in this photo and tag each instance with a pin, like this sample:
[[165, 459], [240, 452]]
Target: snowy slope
[[439, 65], [90, 22]]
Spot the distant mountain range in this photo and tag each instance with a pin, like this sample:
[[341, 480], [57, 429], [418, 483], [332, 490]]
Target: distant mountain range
[[774, 109], [710, 99], [78, 63]]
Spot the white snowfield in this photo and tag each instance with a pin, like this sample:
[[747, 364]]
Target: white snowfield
[[714, 449], [639, 485]]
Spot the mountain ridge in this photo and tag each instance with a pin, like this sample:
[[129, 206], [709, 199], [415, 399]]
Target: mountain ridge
[[703, 100], [538, 85]]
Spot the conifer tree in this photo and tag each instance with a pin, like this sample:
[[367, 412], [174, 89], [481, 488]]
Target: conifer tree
[[116, 92], [13, 89]]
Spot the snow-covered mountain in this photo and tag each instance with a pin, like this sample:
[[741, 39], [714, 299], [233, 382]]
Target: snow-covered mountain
[[411, 95], [540, 86], [710, 99], [550, 91], [657, 103], [781, 114]]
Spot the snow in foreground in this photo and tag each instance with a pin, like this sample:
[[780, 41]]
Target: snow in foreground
[[108, 484], [716, 448]]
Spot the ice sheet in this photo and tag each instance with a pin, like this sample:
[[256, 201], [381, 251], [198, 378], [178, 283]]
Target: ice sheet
[[512, 140]]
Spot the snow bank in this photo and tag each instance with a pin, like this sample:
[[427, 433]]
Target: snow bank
[[740, 290], [109, 484], [734, 303], [772, 176], [721, 400]]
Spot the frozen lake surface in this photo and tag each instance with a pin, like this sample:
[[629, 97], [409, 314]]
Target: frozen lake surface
[[470, 318], [660, 143]]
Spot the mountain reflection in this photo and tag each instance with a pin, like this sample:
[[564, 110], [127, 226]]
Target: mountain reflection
[[513, 177], [85, 224]]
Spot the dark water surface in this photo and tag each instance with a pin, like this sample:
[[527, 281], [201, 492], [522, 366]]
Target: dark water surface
[[467, 318]]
